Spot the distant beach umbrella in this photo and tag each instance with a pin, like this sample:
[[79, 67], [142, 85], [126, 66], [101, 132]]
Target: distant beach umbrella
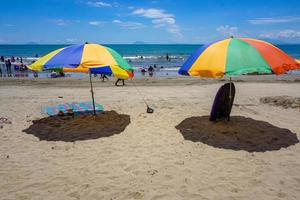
[[85, 58], [237, 56]]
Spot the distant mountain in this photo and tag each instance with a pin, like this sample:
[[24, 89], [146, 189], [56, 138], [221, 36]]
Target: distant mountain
[[139, 42], [31, 43]]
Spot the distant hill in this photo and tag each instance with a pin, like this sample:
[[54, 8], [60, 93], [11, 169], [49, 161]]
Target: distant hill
[[32, 43], [139, 42]]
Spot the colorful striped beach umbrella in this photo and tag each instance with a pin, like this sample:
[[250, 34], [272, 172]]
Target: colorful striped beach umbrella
[[237, 56], [85, 58]]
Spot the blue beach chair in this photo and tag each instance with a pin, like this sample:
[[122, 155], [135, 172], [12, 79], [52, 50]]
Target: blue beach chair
[[83, 108]]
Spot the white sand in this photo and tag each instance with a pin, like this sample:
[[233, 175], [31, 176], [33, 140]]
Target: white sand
[[150, 159]]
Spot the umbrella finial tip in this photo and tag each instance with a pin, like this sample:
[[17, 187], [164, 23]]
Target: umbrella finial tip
[[86, 42], [232, 36]]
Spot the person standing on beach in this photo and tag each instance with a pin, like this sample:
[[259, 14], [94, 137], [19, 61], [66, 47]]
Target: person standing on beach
[[103, 76], [2, 59], [143, 71], [150, 71], [8, 67]]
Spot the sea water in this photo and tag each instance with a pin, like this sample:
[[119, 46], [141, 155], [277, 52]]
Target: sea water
[[138, 55]]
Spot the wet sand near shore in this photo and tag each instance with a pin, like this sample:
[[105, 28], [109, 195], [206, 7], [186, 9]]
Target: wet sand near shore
[[145, 81]]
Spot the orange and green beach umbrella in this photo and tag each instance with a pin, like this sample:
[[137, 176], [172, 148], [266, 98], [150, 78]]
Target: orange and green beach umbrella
[[85, 58], [237, 56]]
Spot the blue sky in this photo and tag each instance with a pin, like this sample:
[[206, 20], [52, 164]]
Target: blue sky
[[151, 21]]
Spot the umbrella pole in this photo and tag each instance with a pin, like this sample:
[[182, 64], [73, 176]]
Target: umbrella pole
[[92, 91], [230, 97]]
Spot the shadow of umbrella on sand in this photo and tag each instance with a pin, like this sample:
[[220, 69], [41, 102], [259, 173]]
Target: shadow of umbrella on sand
[[240, 133], [79, 128]]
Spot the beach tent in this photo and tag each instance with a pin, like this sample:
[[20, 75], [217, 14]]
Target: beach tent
[[85, 58], [237, 56]]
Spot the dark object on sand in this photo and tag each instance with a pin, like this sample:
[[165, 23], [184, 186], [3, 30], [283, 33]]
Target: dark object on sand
[[222, 105], [118, 80], [149, 110], [4, 120]]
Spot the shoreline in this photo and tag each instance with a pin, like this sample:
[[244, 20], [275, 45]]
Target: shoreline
[[145, 81]]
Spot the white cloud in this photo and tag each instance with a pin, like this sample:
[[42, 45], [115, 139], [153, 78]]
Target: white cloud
[[265, 21], [116, 21], [63, 22], [283, 34], [228, 30], [160, 19], [152, 13], [98, 4], [129, 25], [70, 40], [96, 23], [163, 21], [9, 25], [60, 22]]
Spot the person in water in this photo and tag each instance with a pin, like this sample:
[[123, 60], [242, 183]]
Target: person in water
[[168, 58], [123, 82]]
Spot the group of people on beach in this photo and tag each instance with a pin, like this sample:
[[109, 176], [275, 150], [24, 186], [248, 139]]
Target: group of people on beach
[[12, 59], [8, 65], [20, 66]]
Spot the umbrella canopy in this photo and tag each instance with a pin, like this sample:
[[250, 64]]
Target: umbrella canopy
[[84, 58], [237, 56]]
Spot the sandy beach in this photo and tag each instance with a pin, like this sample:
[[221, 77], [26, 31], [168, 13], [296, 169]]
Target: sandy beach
[[174, 153]]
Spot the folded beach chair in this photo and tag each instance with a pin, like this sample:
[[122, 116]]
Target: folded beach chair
[[84, 108]]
